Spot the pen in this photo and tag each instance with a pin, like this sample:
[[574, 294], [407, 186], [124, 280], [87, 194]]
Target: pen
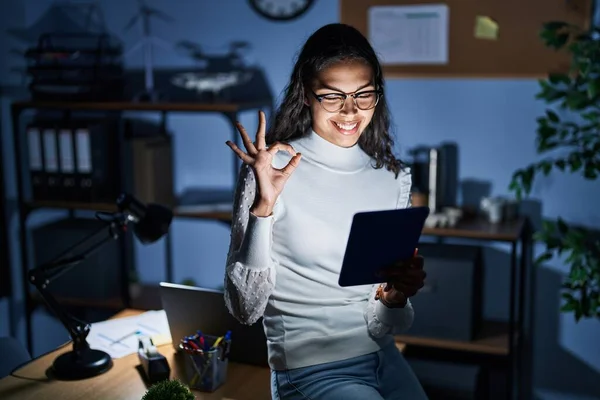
[[216, 343], [226, 337], [200, 337], [125, 337], [198, 373], [190, 343]]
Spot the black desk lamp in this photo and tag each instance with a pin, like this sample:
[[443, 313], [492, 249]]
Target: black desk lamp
[[150, 223]]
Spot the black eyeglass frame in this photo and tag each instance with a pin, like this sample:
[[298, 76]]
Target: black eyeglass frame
[[344, 97]]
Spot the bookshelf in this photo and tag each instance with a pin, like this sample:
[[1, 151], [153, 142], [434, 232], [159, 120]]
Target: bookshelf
[[498, 343], [5, 275], [26, 205]]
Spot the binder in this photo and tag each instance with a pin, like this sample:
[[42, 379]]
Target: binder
[[36, 162], [83, 164], [97, 159], [152, 165], [67, 163], [50, 151]]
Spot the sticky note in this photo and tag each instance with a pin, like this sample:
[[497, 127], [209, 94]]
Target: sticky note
[[486, 28]]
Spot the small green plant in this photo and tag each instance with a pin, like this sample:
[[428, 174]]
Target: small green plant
[[188, 282], [169, 390], [570, 145]]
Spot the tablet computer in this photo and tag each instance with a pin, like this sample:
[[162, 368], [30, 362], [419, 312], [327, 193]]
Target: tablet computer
[[378, 239]]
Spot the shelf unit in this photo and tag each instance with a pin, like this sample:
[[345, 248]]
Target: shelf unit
[[5, 275], [26, 206], [498, 343]]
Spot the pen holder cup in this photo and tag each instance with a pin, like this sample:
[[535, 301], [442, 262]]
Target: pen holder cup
[[207, 370]]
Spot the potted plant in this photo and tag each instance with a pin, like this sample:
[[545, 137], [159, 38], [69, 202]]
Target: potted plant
[[571, 144], [169, 390], [188, 282]]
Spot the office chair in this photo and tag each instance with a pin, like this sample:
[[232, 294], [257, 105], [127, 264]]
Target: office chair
[[13, 355]]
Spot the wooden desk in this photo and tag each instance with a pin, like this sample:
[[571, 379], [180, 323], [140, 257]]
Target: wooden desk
[[124, 382]]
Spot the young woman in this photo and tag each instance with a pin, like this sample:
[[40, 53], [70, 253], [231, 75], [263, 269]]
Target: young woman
[[327, 156]]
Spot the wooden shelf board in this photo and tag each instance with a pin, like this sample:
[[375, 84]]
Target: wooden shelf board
[[148, 298], [109, 303], [202, 214], [463, 76], [468, 228], [493, 340], [141, 106], [72, 205], [473, 229], [187, 212], [481, 229]]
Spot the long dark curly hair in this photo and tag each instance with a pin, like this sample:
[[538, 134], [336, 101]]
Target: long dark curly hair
[[329, 45]]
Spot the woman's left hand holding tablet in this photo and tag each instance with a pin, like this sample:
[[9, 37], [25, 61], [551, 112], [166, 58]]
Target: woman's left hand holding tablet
[[403, 280]]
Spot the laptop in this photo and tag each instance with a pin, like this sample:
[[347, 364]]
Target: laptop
[[190, 308]]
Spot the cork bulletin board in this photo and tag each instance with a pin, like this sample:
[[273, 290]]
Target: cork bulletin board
[[464, 38]]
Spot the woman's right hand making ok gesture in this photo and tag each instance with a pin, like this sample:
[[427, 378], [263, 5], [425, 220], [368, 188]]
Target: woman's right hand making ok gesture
[[270, 181]]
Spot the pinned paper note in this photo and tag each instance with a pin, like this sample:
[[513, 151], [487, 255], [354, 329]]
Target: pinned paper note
[[410, 34], [486, 28]]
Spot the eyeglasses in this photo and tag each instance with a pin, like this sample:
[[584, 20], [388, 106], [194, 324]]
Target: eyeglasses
[[334, 102]]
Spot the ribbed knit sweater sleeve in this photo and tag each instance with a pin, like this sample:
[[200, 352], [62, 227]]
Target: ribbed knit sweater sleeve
[[250, 269], [382, 320]]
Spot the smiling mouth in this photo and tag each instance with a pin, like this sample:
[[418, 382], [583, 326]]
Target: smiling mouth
[[346, 128]]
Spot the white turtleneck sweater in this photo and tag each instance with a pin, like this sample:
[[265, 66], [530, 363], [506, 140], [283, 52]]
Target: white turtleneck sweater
[[285, 267]]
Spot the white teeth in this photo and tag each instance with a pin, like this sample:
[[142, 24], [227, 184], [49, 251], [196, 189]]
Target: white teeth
[[346, 127]]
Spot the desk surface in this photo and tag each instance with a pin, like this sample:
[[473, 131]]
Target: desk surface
[[124, 382]]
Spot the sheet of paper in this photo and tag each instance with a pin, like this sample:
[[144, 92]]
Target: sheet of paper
[[199, 208], [410, 34], [486, 28], [119, 337]]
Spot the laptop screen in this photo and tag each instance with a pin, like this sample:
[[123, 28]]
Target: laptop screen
[[190, 308]]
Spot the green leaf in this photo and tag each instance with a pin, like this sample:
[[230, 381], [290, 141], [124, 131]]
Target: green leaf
[[548, 92], [569, 305], [590, 172], [548, 227], [575, 162], [553, 243], [560, 40], [593, 307], [568, 296], [545, 166], [577, 274], [591, 116], [552, 116], [546, 256], [576, 143], [562, 226], [557, 79], [577, 100], [552, 26], [593, 89]]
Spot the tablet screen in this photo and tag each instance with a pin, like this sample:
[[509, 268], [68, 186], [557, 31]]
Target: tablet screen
[[377, 240]]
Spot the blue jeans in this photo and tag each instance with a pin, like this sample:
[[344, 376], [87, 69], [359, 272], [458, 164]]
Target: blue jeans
[[384, 374]]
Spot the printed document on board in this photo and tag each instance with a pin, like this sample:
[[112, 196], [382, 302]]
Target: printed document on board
[[411, 34]]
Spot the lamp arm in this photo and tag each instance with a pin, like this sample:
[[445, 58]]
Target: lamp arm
[[78, 330], [41, 276]]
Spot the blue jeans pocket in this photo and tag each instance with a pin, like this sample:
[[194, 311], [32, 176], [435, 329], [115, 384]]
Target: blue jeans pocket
[[284, 387]]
